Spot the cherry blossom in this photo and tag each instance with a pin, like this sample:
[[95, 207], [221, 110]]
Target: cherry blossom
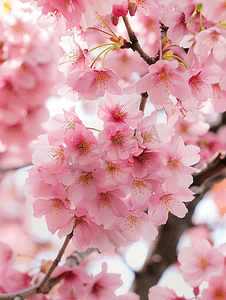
[[216, 289], [104, 285], [212, 39], [200, 262], [162, 80], [118, 143], [120, 110], [91, 84], [169, 200]]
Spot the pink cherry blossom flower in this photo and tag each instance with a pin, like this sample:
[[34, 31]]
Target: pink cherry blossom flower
[[216, 289], [117, 172], [84, 230], [150, 134], [50, 156], [200, 262], [158, 292], [118, 143], [145, 161], [142, 188], [75, 281], [175, 20], [104, 285], [106, 205], [109, 239], [92, 84], [80, 148], [200, 83], [61, 125], [162, 80], [214, 11], [120, 110], [137, 224], [169, 201], [15, 281], [212, 39], [55, 211], [218, 99], [41, 183], [75, 59], [81, 184], [177, 160], [65, 16]]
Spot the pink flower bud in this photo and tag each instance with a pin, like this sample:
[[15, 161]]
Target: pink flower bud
[[114, 20], [132, 8]]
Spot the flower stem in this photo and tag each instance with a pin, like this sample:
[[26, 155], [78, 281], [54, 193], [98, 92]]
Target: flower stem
[[100, 30], [180, 59], [109, 44], [107, 49]]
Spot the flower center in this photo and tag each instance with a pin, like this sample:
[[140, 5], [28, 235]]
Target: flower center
[[85, 178], [218, 294], [174, 163], [196, 83], [203, 263], [101, 78], [139, 184], [117, 139], [111, 169], [105, 199], [76, 57], [163, 77], [83, 146], [118, 114], [132, 221], [56, 154]]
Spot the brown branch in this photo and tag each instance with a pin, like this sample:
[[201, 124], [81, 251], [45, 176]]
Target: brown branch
[[170, 233], [42, 287], [135, 44], [144, 97], [212, 169]]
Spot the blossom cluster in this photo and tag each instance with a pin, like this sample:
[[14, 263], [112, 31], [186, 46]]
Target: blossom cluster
[[115, 185], [101, 185], [28, 74], [183, 80], [199, 262]]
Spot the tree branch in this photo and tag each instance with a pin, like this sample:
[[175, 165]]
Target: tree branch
[[212, 169], [170, 233], [135, 44], [144, 97]]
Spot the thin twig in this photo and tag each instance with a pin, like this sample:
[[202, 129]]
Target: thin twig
[[56, 261], [135, 44]]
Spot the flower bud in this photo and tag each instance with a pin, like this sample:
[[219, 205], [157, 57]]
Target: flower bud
[[114, 20], [132, 7]]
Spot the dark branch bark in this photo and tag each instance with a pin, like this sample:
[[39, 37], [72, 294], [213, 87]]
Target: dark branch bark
[[144, 97], [135, 44]]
